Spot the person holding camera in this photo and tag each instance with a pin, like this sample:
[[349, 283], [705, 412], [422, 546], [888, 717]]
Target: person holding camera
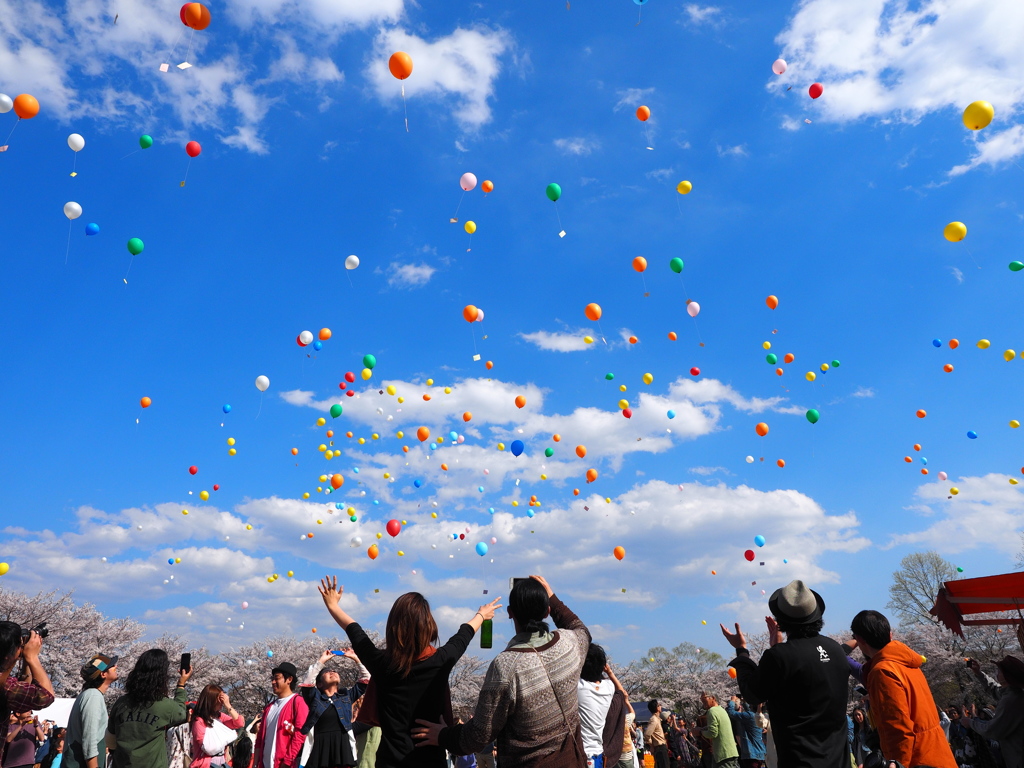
[[18, 696], [1007, 725]]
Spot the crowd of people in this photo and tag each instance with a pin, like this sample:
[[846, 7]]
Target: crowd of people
[[549, 699]]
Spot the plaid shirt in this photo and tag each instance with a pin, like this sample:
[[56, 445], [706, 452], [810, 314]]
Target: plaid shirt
[[20, 697]]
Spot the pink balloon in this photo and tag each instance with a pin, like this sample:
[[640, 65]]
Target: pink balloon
[[467, 182], [493, 540], [461, 440], [779, 66], [943, 475], [693, 309]]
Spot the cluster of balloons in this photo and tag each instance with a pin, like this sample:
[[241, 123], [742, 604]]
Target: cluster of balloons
[[305, 338]]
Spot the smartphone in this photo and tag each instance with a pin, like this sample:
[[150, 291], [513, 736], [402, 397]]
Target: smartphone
[[486, 630], [338, 653], [515, 580], [186, 663]]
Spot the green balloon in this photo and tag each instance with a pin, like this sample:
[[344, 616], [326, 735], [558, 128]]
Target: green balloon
[[549, 452], [369, 361], [553, 192], [813, 416], [135, 246], [1016, 266], [676, 265], [609, 376], [335, 411], [145, 141], [835, 363], [772, 358]]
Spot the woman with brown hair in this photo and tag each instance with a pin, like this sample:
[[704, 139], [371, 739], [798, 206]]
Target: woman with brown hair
[[214, 722], [409, 677]]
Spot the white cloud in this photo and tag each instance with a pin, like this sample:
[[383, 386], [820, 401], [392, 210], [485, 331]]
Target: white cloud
[[409, 275], [740, 150], [632, 97], [559, 341], [577, 145], [335, 15], [957, 275], [463, 65], [702, 14], [1002, 147], [987, 512], [660, 174], [790, 123], [706, 471], [864, 392]]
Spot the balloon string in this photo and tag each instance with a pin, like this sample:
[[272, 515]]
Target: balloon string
[[189, 51], [972, 257], [559, 218], [472, 330], [66, 252], [12, 131], [131, 153], [405, 105], [644, 279], [639, 14], [456, 216], [130, 262], [679, 205], [261, 407], [177, 40], [74, 165], [186, 172], [470, 244]]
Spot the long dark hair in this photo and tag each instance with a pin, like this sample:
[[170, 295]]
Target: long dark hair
[[147, 682], [208, 705], [57, 734], [241, 753], [410, 631], [528, 603]]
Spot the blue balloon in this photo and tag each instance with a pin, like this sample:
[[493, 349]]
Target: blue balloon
[[517, 447], [417, 482], [355, 470], [480, 488], [973, 435], [671, 414], [924, 460], [529, 513], [481, 549], [170, 561], [759, 540], [785, 560], [226, 408], [454, 436], [270, 654], [376, 501], [433, 446], [640, 2], [92, 229], [339, 505], [936, 342], [318, 345], [491, 510]]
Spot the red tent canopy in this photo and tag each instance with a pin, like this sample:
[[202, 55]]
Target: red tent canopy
[[987, 594]]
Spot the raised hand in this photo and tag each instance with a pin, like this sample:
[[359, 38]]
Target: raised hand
[[543, 583], [737, 639], [487, 611], [330, 591]]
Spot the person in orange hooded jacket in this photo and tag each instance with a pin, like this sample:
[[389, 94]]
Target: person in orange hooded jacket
[[902, 706]]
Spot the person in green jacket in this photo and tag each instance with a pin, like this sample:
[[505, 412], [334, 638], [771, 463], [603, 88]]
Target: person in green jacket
[[137, 728], [719, 732]]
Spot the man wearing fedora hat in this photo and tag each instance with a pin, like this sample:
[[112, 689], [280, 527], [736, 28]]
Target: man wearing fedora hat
[[1007, 726], [803, 680]]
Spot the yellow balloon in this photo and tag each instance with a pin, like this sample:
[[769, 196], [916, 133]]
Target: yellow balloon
[[375, 436], [1014, 423], [955, 231], [231, 441], [767, 345], [4, 568], [379, 535], [366, 373], [430, 382], [401, 553], [824, 367], [321, 421], [447, 390], [400, 434], [588, 339], [362, 441], [204, 495], [290, 574], [401, 400], [984, 344], [270, 579], [177, 560], [351, 510], [391, 389], [648, 378], [305, 495], [501, 446], [623, 405], [232, 451], [622, 387], [328, 454], [470, 226], [954, 491], [810, 376], [1008, 355], [322, 448], [249, 527], [387, 475], [684, 187], [978, 115], [1013, 481], [433, 515], [543, 477], [515, 503], [184, 511], [702, 621], [323, 478]]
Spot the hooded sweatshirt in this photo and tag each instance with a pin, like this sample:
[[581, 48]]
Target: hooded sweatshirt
[[903, 709]]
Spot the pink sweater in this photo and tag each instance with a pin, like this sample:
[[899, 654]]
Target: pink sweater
[[199, 758], [288, 739]]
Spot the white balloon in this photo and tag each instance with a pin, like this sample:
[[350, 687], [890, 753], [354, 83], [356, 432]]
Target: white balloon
[[262, 383], [6, 103], [479, 315], [467, 182], [750, 459], [72, 210], [355, 542], [244, 606], [306, 337], [693, 309], [76, 142], [352, 262], [779, 66]]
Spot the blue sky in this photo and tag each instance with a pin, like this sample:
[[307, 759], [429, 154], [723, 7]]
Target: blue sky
[[836, 206]]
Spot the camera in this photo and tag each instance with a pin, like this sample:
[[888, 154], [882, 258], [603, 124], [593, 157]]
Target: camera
[[40, 629]]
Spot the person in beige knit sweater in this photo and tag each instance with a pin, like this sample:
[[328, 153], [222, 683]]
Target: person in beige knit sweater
[[528, 700]]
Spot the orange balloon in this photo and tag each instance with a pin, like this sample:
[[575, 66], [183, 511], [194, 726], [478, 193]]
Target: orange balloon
[[423, 434], [633, 339], [426, 397], [337, 481], [196, 16], [488, 365], [469, 313], [924, 471], [953, 343], [947, 368], [908, 459], [917, 446], [444, 467], [26, 106], [772, 302], [732, 672], [672, 336], [557, 438], [145, 402], [295, 451], [520, 401], [330, 433], [575, 491], [619, 552], [581, 451], [591, 475], [400, 64], [643, 113], [761, 429], [405, 449], [533, 498], [781, 463], [310, 536], [372, 552], [467, 416], [593, 312], [348, 434], [325, 334], [639, 263], [778, 371], [487, 186], [789, 357], [922, 413]]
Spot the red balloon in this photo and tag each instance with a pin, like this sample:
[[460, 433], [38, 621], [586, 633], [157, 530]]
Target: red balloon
[[628, 413], [350, 393], [193, 469], [749, 554], [298, 340], [462, 536], [193, 149], [342, 385], [216, 487], [350, 377], [816, 90], [695, 371], [394, 528]]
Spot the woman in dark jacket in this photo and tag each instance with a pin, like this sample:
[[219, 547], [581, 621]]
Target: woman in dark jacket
[[409, 677]]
